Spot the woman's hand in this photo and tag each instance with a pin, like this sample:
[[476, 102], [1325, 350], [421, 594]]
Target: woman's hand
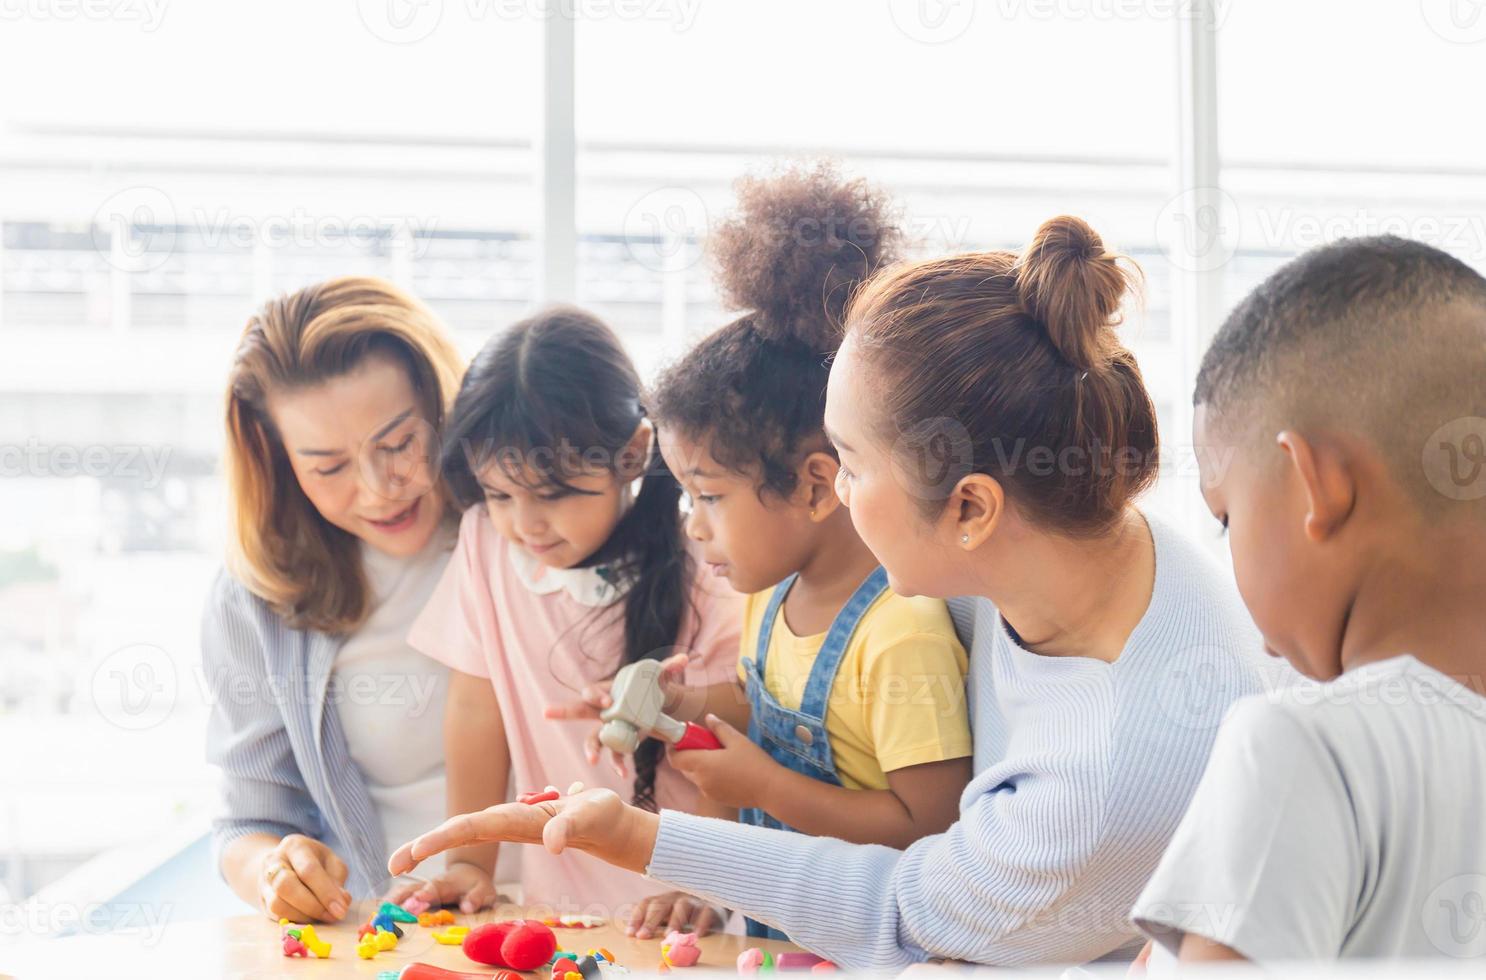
[[657, 915], [597, 822], [302, 880], [466, 885], [739, 774]]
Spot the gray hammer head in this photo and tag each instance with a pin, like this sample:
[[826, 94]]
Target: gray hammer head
[[636, 712]]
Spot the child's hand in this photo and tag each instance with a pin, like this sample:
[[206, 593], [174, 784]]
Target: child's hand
[[737, 775], [466, 885], [594, 698], [596, 821], [657, 915], [302, 879]]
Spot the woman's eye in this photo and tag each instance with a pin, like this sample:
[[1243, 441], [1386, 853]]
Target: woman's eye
[[333, 470], [708, 498], [401, 446], [499, 498]]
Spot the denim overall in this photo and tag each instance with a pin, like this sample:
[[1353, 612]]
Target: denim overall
[[797, 739]]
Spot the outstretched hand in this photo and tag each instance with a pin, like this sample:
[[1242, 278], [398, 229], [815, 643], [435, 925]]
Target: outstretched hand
[[596, 822]]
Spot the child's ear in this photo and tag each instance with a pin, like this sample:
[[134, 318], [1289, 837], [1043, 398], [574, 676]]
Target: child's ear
[[636, 453], [1329, 485], [818, 484], [973, 510]]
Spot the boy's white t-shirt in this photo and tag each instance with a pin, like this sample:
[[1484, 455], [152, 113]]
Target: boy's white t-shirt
[[1345, 819]]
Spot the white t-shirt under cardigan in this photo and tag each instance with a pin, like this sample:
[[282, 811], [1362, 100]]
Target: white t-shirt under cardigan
[[391, 698], [1336, 820], [1082, 771]]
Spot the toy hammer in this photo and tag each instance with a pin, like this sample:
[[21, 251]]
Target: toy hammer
[[636, 713]]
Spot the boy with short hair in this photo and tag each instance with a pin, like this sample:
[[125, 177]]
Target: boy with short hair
[[1341, 433]]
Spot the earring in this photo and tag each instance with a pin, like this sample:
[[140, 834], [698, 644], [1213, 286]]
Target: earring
[[964, 539]]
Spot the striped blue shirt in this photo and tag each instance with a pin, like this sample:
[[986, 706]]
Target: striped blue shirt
[[286, 768], [1082, 771]]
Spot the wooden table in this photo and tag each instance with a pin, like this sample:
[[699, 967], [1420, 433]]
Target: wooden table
[[248, 946]]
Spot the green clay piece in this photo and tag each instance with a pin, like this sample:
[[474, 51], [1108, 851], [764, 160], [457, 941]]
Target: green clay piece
[[767, 966], [398, 913], [294, 933]]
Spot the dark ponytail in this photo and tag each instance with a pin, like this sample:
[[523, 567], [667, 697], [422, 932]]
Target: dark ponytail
[[554, 387]]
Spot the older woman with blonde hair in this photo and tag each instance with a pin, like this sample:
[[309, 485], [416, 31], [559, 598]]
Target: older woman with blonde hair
[[326, 725]]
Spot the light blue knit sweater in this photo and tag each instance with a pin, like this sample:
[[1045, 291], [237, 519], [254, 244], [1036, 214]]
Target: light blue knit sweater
[[1082, 771]]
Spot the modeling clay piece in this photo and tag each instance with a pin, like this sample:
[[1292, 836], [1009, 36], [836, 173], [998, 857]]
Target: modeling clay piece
[[797, 961], [427, 971], [520, 944], [824, 966], [417, 905], [385, 940], [314, 943], [366, 930], [452, 936], [443, 917], [398, 913], [542, 797], [574, 788], [563, 967], [680, 949], [576, 921], [367, 947], [384, 920], [664, 967], [293, 947], [637, 713], [588, 968], [755, 960]]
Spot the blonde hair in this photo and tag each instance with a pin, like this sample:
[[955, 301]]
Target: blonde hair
[[304, 567]]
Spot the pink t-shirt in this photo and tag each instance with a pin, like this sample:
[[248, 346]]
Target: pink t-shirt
[[487, 618]]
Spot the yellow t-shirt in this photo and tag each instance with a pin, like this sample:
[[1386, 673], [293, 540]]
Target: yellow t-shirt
[[899, 697]]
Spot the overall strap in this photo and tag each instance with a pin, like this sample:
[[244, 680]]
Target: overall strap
[[771, 613], [828, 660]]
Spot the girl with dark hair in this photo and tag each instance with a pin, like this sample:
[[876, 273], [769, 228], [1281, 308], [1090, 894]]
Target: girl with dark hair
[[852, 697], [571, 563]]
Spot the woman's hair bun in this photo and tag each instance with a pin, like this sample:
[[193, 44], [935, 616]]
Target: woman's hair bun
[[796, 247], [1070, 284]]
